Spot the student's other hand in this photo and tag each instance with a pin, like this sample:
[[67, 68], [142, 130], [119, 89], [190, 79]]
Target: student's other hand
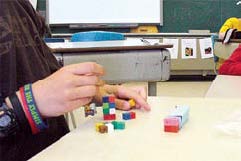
[[69, 88], [123, 94]]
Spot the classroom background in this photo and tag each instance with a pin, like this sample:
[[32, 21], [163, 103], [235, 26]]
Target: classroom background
[[183, 15]]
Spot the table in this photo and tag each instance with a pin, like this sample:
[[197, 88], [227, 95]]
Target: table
[[179, 66], [124, 61], [144, 139], [225, 86]]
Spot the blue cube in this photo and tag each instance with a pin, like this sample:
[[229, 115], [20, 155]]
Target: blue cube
[[105, 99], [126, 116]]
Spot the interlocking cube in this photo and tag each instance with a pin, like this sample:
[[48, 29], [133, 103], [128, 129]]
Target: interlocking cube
[[173, 129], [97, 126], [182, 112], [90, 109], [103, 129], [133, 115], [112, 99], [176, 119], [110, 117], [112, 111], [172, 124], [105, 99], [132, 103], [110, 127], [118, 125], [109, 107], [128, 115]]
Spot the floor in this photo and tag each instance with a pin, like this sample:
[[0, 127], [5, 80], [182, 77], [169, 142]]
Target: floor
[[169, 89]]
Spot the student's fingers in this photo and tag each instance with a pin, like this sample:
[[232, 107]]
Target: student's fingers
[[122, 104], [77, 103], [86, 68], [141, 91], [125, 93], [81, 92], [86, 80]]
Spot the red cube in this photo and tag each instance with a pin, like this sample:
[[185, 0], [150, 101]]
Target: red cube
[[111, 99], [133, 115], [173, 129], [110, 117]]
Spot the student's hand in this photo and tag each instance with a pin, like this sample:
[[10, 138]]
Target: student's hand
[[69, 88], [123, 94]]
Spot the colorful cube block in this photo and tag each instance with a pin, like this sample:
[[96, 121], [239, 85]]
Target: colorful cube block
[[126, 116], [173, 129], [111, 105], [103, 129], [182, 112], [106, 105], [109, 108], [132, 103], [118, 125], [110, 117], [90, 109], [133, 115], [106, 111], [105, 99], [111, 99], [97, 126], [110, 127], [112, 111], [172, 121]]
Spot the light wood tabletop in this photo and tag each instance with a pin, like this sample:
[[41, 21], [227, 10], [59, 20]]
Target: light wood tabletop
[[144, 138], [225, 86]]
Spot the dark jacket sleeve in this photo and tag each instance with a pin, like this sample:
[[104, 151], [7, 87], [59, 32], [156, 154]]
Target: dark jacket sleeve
[[7, 61], [232, 66]]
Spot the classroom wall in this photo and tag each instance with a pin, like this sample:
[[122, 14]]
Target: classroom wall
[[183, 15]]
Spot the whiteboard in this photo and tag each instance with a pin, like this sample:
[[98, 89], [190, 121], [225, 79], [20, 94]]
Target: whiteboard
[[104, 11]]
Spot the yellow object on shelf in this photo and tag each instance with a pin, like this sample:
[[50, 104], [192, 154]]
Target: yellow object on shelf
[[145, 29]]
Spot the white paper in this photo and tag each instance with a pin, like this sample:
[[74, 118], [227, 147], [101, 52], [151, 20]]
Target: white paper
[[206, 48], [189, 48], [174, 50]]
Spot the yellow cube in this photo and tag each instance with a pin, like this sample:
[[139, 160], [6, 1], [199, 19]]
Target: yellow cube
[[97, 126], [132, 103]]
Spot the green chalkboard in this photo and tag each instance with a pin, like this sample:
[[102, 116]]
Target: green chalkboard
[[184, 15]]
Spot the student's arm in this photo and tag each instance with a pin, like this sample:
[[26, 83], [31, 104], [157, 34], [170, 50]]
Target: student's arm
[[232, 66]]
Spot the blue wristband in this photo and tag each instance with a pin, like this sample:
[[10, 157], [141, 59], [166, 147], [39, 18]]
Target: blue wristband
[[32, 107]]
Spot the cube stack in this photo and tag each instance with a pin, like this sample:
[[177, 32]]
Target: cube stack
[[128, 115], [109, 108], [176, 119], [108, 127]]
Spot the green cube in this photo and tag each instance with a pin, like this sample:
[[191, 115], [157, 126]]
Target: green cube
[[114, 123], [118, 125], [105, 105], [106, 111]]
